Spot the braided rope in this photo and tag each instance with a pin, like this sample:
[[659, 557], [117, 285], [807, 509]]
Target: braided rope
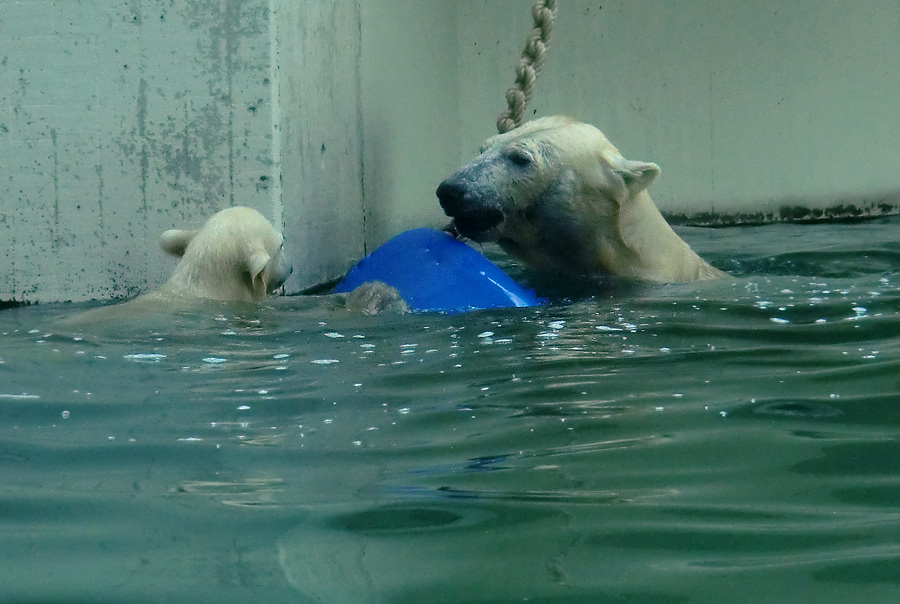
[[517, 97]]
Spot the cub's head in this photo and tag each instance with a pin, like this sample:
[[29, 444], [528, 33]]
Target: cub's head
[[236, 255], [549, 192]]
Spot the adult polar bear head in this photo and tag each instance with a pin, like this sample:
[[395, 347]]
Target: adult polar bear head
[[236, 255], [557, 195]]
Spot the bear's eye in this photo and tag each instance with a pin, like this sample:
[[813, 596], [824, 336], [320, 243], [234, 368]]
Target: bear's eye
[[520, 157]]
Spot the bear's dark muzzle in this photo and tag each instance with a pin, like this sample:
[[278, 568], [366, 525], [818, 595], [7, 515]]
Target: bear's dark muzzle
[[473, 217]]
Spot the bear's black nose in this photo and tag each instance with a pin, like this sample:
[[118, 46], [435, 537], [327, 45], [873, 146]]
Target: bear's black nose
[[472, 215], [452, 195]]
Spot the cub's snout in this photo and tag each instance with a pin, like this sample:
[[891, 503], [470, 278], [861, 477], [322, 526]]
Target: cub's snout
[[474, 216], [282, 273]]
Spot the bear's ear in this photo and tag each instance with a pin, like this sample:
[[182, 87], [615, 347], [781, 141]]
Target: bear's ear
[[637, 175], [256, 264], [175, 241], [488, 143]]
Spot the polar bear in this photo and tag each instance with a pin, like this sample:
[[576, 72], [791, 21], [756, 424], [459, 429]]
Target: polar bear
[[557, 195], [237, 255]]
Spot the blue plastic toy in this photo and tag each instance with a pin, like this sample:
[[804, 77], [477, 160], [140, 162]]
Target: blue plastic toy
[[436, 273]]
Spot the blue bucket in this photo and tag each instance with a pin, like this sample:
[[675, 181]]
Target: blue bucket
[[436, 273]]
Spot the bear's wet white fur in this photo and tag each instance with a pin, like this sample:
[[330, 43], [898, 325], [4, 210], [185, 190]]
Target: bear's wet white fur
[[236, 255], [557, 195]]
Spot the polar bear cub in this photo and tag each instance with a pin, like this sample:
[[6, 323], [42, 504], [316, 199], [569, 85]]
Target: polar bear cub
[[236, 255], [557, 195]]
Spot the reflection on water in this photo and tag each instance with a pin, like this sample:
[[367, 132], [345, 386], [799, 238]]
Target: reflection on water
[[731, 441]]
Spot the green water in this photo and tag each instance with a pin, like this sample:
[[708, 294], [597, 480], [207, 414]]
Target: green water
[[729, 441]]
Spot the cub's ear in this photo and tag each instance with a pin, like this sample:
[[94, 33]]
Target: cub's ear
[[637, 175], [256, 264], [175, 241]]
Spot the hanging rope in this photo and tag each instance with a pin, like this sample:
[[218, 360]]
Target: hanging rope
[[517, 97]]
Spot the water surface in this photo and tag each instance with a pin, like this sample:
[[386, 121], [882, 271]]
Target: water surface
[[728, 441]]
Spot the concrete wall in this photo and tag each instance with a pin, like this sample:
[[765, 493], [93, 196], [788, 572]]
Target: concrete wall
[[118, 121], [746, 106], [337, 119], [410, 112], [319, 124], [368, 125]]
